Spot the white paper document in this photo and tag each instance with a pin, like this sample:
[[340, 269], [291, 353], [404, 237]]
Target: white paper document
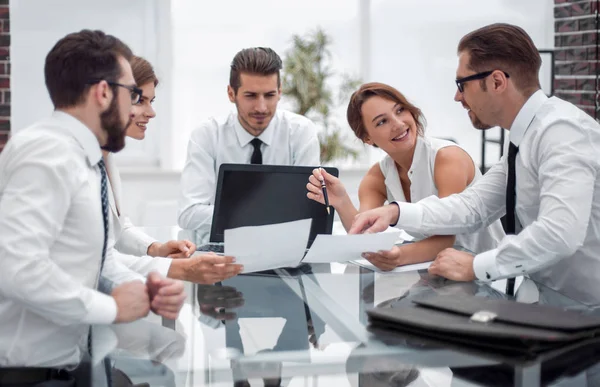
[[414, 267], [268, 247], [342, 248]]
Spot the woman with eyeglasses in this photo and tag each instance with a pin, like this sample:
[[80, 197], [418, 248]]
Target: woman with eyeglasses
[[414, 168], [135, 249]]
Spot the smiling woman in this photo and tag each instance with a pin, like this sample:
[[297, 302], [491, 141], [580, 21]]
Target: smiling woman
[[142, 111], [128, 239], [414, 168], [134, 248]]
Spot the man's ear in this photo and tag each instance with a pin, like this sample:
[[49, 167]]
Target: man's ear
[[500, 82], [231, 93], [101, 94]]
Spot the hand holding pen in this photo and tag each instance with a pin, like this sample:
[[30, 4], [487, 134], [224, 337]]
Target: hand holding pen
[[324, 189]]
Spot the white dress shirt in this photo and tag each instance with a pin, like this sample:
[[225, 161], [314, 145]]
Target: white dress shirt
[[422, 185], [131, 244], [290, 139], [557, 203], [51, 237]]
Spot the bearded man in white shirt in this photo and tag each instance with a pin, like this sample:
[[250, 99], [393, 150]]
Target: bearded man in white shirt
[[256, 133], [552, 169], [54, 217]]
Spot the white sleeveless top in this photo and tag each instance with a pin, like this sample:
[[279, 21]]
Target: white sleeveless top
[[422, 185]]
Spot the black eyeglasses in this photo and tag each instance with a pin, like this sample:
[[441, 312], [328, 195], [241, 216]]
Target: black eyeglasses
[[459, 82], [136, 92]]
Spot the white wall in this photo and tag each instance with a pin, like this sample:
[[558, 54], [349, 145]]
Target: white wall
[[36, 25]]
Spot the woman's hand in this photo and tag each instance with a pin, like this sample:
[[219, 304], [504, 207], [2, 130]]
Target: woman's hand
[[387, 260], [336, 192], [172, 249]]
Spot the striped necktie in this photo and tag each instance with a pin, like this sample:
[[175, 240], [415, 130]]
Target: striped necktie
[[104, 199]]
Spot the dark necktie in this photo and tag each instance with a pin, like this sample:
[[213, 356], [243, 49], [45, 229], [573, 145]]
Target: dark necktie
[[257, 154], [511, 189], [510, 204]]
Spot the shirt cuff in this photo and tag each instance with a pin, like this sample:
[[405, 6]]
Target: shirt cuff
[[484, 266], [162, 265], [411, 215], [102, 309], [144, 245]]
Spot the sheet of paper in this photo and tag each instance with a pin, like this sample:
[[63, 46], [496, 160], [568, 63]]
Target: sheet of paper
[[342, 248], [268, 247], [414, 267]]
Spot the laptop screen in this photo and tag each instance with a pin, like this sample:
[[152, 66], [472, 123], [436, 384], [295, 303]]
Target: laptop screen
[[256, 195]]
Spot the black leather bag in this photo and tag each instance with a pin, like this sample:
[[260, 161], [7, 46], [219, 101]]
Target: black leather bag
[[501, 326]]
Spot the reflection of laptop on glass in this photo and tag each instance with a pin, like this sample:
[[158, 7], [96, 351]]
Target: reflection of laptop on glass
[[256, 195]]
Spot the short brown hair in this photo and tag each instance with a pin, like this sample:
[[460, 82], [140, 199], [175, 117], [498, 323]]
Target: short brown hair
[[368, 90], [255, 60], [78, 59], [143, 72], [504, 47]]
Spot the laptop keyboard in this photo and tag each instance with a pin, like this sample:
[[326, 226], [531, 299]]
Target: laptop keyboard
[[212, 247]]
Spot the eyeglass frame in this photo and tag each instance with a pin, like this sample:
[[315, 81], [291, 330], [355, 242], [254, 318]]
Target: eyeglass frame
[[481, 75], [133, 89]]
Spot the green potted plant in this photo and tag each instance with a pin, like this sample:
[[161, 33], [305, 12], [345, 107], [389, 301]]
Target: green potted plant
[[307, 82]]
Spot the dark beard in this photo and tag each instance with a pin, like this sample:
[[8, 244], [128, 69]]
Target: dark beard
[[478, 124], [110, 123]]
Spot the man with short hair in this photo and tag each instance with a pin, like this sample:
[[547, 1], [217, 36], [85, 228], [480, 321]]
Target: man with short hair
[[256, 133], [552, 167], [54, 217]]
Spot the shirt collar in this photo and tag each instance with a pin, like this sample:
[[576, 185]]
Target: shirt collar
[[525, 116], [84, 135], [244, 137]]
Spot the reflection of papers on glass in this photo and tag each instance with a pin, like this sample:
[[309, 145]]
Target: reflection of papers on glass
[[342, 248], [268, 247], [414, 267]]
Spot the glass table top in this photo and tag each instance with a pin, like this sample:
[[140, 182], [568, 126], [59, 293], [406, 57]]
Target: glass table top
[[308, 326]]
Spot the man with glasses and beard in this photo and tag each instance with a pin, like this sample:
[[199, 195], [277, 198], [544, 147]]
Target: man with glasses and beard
[[548, 186], [54, 218]]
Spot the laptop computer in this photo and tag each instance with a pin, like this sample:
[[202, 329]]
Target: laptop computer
[[256, 195]]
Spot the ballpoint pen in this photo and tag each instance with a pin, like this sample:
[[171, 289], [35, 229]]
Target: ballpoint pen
[[324, 188]]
